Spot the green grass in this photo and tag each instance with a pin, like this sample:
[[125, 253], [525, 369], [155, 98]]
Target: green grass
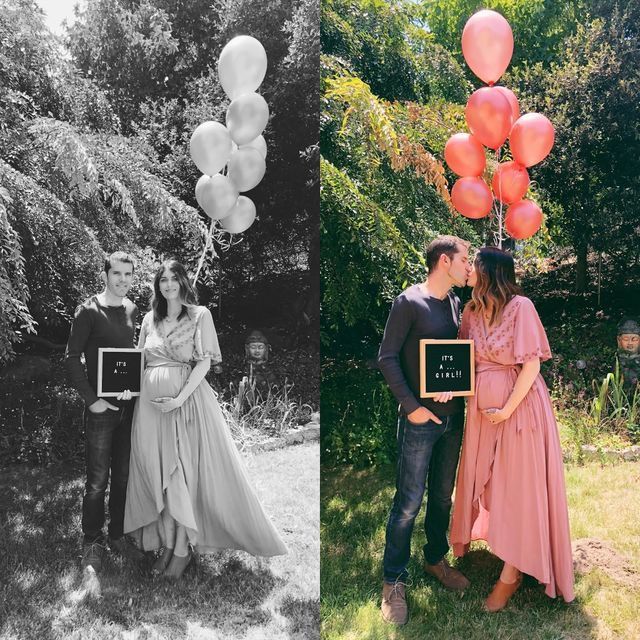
[[229, 595], [603, 502]]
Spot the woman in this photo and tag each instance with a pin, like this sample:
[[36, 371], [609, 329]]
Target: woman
[[510, 489], [187, 484]]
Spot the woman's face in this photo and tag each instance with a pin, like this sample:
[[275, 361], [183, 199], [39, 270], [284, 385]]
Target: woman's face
[[169, 285], [473, 276]]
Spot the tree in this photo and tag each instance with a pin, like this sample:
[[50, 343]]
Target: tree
[[540, 28], [591, 96]]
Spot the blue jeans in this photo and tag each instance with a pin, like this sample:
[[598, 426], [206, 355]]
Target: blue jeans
[[427, 458], [107, 448]]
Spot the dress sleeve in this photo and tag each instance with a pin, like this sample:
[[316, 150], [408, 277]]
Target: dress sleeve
[[144, 331], [206, 338], [529, 337]]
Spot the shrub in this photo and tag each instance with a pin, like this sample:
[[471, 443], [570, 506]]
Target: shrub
[[359, 415]]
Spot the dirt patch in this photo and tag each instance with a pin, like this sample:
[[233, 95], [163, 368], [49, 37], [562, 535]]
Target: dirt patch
[[591, 553]]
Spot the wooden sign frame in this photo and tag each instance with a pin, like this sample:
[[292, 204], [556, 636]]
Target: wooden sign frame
[[101, 378], [424, 346]]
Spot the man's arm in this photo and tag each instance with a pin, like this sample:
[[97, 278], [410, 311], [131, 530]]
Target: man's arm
[[78, 338], [395, 333]]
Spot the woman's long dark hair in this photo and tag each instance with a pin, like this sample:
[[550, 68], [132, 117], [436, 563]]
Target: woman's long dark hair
[[187, 294], [496, 282]]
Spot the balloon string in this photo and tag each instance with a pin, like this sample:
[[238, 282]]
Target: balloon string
[[204, 252], [499, 207]]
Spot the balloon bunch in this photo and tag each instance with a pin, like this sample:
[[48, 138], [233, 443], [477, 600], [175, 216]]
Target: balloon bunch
[[493, 116], [232, 157]]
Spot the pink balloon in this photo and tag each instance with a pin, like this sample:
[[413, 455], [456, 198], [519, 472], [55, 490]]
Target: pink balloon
[[241, 216], [487, 45], [510, 182], [472, 197], [488, 115], [531, 139], [464, 155], [210, 147], [523, 219], [246, 168], [513, 102], [216, 195]]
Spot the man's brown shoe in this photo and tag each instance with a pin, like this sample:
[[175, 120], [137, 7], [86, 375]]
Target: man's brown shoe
[[394, 603], [448, 576]]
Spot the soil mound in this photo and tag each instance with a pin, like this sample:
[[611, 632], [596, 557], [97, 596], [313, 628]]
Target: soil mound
[[591, 553]]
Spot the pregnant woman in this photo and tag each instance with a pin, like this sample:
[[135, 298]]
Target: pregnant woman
[[510, 489], [187, 483]]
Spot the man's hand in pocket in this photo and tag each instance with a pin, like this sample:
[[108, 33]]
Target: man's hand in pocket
[[100, 406], [421, 415]]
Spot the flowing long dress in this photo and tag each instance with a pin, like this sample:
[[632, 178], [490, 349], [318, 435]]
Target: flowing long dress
[[510, 489], [186, 459]]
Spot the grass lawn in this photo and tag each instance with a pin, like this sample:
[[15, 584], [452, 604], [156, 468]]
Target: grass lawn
[[229, 595], [604, 504]]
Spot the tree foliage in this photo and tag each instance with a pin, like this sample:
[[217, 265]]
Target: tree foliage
[[591, 96], [95, 153], [540, 28]]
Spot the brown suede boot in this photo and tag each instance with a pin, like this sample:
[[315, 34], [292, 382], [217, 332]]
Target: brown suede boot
[[448, 576], [501, 593], [394, 603]]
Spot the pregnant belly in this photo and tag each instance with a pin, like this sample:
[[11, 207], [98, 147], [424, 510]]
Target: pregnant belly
[[493, 389], [162, 382]]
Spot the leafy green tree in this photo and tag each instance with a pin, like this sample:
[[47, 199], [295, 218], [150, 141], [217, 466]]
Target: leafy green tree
[[540, 28], [382, 46], [591, 96]]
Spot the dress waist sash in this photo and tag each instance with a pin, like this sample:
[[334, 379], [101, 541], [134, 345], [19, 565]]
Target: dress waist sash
[[481, 367], [169, 363]]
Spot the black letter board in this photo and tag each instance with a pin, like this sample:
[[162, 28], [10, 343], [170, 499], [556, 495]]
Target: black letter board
[[119, 370], [446, 365]]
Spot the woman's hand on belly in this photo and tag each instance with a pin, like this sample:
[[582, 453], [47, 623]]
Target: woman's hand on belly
[[496, 416], [167, 404]]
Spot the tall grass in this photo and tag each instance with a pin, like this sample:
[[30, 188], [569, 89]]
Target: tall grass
[[612, 408], [254, 418]]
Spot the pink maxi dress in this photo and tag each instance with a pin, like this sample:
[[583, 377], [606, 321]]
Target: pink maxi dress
[[510, 489], [185, 460]]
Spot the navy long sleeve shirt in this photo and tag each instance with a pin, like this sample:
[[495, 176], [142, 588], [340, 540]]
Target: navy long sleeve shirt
[[416, 315], [94, 326]]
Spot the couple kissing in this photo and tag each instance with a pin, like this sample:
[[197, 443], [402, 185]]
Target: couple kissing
[[510, 489]]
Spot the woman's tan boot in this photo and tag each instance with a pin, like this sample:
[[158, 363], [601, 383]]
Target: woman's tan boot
[[501, 593]]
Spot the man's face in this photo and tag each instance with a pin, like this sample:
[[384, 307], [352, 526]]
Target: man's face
[[459, 268], [118, 280], [257, 350], [629, 342]]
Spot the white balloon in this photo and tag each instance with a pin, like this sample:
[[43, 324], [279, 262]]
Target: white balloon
[[246, 168], [247, 116], [258, 143], [242, 66], [241, 217], [210, 147], [216, 195]]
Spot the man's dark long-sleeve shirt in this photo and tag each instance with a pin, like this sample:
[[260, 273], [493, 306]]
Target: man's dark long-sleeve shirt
[[415, 315], [95, 326]]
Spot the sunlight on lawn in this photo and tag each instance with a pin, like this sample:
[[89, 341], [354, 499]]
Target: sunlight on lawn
[[228, 595], [603, 503]]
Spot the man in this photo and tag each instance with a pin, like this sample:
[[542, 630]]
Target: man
[[429, 430], [105, 320]]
